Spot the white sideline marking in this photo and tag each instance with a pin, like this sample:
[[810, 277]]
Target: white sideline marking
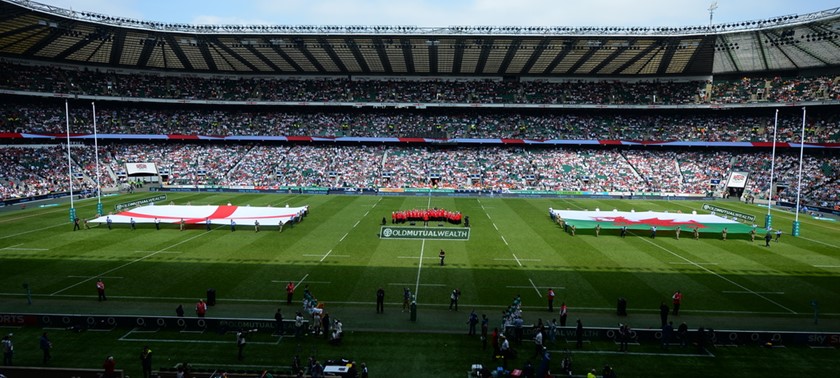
[[718, 275], [357, 222], [515, 259], [539, 287], [260, 367], [345, 235], [749, 292], [535, 288], [691, 263], [708, 354], [518, 262], [494, 226], [408, 284], [198, 341], [104, 277], [129, 263], [827, 266], [503, 239], [314, 282], [255, 300], [25, 249]]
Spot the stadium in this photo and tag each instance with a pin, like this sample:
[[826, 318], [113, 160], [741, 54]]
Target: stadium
[[281, 170]]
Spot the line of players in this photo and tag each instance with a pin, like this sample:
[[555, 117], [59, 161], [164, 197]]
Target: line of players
[[426, 215]]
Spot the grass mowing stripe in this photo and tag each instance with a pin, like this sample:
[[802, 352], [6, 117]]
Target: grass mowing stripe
[[132, 262], [31, 231], [817, 241], [716, 274]]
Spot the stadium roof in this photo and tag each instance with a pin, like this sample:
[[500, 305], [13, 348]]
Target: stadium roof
[[34, 31]]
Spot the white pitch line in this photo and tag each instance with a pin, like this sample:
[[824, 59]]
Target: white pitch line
[[357, 223], [25, 249], [535, 287], [416, 257], [103, 277], [419, 267], [504, 240], [827, 266], [817, 241], [538, 287], [301, 281], [129, 263], [747, 292], [408, 284], [254, 300], [259, 367], [325, 256], [718, 275], [198, 341], [517, 261], [708, 354], [312, 282], [157, 251], [345, 235], [494, 226], [312, 255], [691, 263]]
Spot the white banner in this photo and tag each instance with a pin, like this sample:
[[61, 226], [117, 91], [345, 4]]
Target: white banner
[[141, 169], [737, 179]]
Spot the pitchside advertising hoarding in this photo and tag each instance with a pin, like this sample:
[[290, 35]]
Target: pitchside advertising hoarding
[[727, 212], [388, 232], [140, 202]]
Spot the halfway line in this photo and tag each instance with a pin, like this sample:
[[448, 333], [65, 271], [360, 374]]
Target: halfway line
[[419, 268]]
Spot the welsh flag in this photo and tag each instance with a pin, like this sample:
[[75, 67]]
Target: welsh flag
[[706, 223]]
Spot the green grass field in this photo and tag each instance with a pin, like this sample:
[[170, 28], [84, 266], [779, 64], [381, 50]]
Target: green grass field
[[514, 249]]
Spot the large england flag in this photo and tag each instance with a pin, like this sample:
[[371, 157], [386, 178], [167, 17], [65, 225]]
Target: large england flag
[[646, 219], [242, 215]]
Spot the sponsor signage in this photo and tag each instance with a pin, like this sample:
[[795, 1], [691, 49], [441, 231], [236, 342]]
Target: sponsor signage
[[737, 179], [146, 169], [727, 212], [140, 202], [388, 232]]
